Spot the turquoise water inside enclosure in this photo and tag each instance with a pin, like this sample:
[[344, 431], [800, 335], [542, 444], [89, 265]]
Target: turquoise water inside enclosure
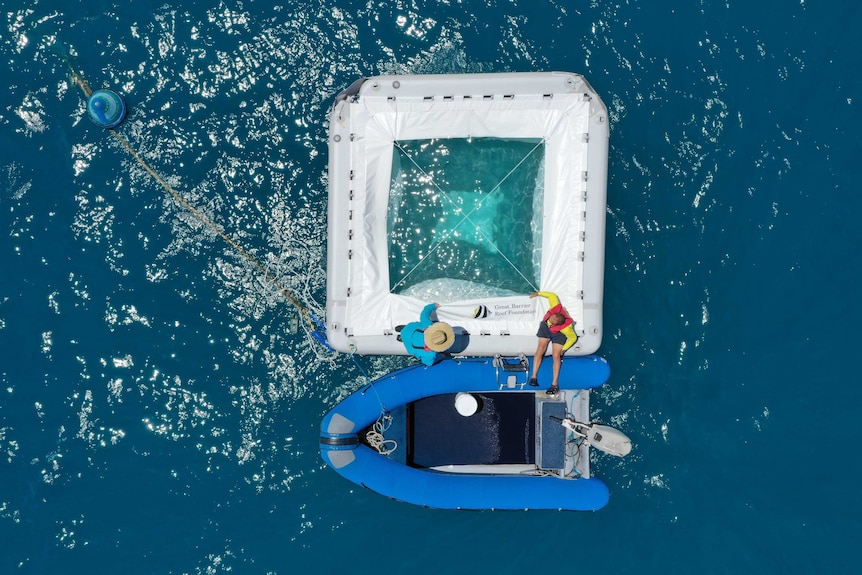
[[466, 209]]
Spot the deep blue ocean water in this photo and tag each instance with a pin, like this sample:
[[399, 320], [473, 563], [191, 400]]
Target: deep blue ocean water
[[159, 407]]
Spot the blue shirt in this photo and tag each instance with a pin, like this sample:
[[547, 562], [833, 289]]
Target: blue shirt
[[413, 337]]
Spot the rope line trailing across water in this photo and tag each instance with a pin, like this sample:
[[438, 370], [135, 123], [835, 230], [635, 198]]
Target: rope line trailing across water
[[311, 320]]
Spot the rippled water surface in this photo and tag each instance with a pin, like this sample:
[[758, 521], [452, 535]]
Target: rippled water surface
[[160, 400]]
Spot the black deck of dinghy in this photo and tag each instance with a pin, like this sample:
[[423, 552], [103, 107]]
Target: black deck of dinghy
[[502, 431]]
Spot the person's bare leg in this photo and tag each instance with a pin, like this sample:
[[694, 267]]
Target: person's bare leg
[[558, 362], [540, 355]]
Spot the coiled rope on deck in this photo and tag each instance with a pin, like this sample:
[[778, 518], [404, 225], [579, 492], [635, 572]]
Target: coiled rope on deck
[[311, 321], [375, 437]]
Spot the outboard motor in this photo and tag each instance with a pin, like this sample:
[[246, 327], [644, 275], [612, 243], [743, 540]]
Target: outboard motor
[[602, 437]]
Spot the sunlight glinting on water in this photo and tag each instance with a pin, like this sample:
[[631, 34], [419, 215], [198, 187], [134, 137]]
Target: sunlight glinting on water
[[153, 342]]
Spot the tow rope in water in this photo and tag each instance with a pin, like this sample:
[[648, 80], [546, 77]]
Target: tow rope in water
[[313, 323]]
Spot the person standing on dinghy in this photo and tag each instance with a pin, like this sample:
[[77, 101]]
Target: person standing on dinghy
[[558, 327], [427, 339]]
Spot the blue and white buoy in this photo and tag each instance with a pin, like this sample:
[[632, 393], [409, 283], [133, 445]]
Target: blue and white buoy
[[106, 108]]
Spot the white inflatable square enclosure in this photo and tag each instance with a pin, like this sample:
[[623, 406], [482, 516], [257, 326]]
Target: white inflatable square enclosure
[[471, 191]]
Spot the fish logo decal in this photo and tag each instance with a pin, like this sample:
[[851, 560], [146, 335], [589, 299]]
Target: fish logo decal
[[481, 312]]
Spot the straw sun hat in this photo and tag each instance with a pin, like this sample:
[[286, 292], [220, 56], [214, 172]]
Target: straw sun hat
[[439, 336]]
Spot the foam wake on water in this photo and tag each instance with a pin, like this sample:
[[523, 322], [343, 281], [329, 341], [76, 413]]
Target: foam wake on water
[[450, 290]]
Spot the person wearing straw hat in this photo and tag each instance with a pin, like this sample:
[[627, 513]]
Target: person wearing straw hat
[[428, 339]]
